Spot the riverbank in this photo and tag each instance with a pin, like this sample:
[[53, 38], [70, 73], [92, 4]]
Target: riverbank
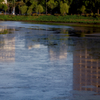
[[52, 18]]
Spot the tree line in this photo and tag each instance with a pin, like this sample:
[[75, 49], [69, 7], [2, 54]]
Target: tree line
[[62, 7]]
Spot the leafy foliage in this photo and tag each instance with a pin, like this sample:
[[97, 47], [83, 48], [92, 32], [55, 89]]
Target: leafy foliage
[[1, 1], [83, 8], [29, 11], [55, 6], [39, 9], [23, 9], [64, 8], [5, 7], [52, 4], [68, 18]]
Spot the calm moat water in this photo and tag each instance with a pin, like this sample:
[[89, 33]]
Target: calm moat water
[[49, 62]]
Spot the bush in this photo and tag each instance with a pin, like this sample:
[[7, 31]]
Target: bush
[[64, 8], [56, 14], [48, 14], [29, 12], [39, 9], [23, 9], [51, 18], [83, 8], [86, 15], [34, 14], [91, 14]]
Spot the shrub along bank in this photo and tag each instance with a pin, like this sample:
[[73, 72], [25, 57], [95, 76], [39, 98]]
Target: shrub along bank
[[52, 18]]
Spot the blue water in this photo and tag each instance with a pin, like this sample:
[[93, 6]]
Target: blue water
[[39, 64]]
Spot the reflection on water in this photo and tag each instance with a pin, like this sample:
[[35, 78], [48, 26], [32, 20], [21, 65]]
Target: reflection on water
[[56, 52], [48, 64], [7, 46], [57, 44], [86, 65], [7, 49]]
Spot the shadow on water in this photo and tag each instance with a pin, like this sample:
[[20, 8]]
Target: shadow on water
[[54, 63]]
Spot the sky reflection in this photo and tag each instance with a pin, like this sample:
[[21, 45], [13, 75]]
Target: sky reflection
[[48, 65]]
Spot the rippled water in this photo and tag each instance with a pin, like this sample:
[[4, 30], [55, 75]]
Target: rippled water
[[43, 62]]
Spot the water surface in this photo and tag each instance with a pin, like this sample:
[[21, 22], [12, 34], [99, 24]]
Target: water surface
[[46, 62]]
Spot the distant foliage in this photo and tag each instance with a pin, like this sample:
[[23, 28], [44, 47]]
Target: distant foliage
[[83, 8], [39, 9], [5, 7], [55, 6], [64, 8], [52, 4], [23, 9], [65, 19], [29, 11], [34, 5], [1, 1], [1, 6]]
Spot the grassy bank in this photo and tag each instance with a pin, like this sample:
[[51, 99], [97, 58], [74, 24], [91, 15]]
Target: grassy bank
[[51, 18]]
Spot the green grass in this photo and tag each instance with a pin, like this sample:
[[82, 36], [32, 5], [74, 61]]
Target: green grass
[[51, 18]]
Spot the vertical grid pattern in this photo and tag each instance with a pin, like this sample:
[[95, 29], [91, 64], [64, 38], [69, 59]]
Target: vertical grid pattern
[[86, 71]]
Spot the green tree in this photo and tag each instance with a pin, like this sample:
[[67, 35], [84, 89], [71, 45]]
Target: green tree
[[83, 8], [5, 7], [69, 2], [39, 9], [1, 6], [1, 3], [52, 4], [34, 5], [23, 9], [29, 11], [64, 8], [97, 2], [20, 4], [92, 5], [43, 3]]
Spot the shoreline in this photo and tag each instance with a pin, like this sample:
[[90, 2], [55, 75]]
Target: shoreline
[[64, 23], [70, 20]]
